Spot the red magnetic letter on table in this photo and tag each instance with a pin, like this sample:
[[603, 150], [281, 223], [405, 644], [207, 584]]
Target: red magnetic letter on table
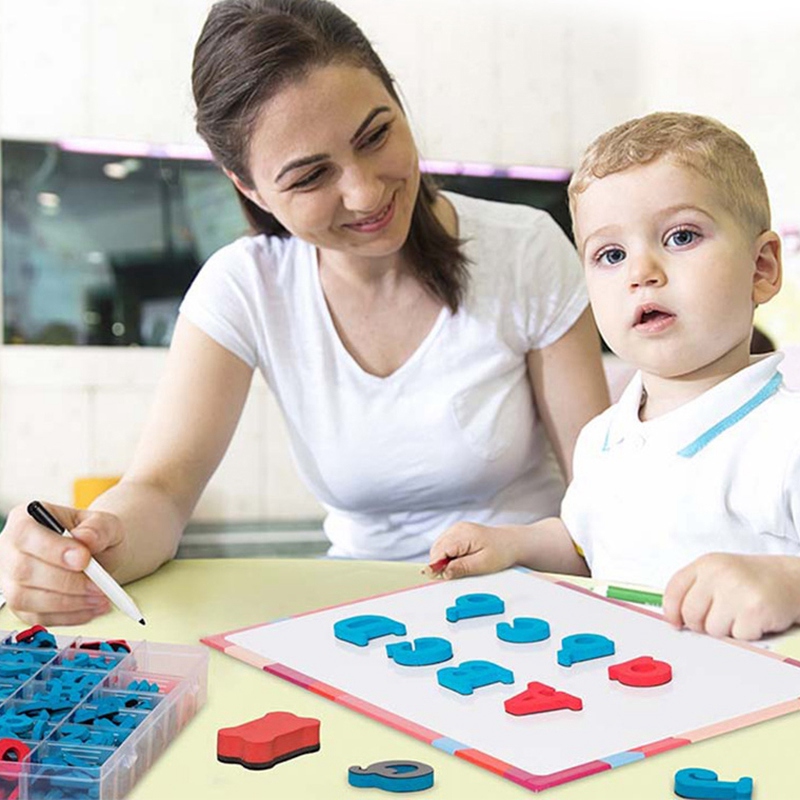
[[539, 697], [642, 671], [261, 743]]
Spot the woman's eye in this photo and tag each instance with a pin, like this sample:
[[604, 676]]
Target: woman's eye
[[682, 237], [612, 256], [376, 136], [309, 179]]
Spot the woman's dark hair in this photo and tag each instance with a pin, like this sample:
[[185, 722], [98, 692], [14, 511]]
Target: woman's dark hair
[[248, 51]]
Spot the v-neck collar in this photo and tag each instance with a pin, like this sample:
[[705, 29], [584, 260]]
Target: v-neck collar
[[339, 345]]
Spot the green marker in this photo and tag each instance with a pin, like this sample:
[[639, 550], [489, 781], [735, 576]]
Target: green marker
[[634, 596]]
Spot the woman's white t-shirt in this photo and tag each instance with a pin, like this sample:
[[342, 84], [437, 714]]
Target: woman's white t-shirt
[[453, 433]]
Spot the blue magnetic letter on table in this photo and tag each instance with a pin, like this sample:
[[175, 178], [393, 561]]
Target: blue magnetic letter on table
[[471, 675], [420, 652], [583, 647], [704, 785], [393, 776], [523, 630], [475, 605], [360, 630]]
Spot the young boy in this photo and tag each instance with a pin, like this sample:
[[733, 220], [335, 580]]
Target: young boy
[[692, 480]]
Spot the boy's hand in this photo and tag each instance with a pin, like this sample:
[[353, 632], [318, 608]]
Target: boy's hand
[[473, 549], [735, 595]]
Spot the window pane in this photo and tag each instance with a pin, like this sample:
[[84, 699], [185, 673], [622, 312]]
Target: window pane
[[99, 248]]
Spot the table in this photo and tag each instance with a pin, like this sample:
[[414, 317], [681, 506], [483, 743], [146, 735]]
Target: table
[[188, 599]]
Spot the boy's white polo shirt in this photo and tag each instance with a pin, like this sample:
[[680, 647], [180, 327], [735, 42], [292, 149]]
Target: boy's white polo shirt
[[719, 474]]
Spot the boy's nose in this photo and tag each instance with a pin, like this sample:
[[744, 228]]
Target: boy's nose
[[645, 271]]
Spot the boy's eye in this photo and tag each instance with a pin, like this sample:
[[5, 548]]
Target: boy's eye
[[682, 237], [612, 256]]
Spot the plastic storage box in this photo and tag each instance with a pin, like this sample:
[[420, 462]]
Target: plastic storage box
[[85, 719]]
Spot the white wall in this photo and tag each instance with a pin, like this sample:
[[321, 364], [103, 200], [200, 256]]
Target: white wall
[[503, 81], [740, 62]]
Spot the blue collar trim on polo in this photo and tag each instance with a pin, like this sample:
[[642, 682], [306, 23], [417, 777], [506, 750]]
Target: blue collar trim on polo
[[740, 413], [692, 449]]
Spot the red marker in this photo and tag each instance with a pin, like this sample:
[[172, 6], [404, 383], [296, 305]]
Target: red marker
[[439, 566]]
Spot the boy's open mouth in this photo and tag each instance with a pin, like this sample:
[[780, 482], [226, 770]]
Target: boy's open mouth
[[651, 316]]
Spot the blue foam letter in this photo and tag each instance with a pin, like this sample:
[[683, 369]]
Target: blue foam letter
[[420, 652], [360, 630], [471, 675], [583, 647], [475, 605], [523, 630], [704, 784], [393, 776]]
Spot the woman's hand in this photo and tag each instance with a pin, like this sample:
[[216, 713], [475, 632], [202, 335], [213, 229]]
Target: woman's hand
[[724, 594], [41, 573]]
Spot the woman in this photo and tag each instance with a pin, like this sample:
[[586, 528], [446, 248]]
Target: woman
[[433, 354]]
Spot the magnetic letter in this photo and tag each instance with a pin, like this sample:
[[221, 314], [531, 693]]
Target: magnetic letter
[[421, 652], [642, 671], [523, 630], [704, 785], [393, 776], [475, 605], [539, 697], [583, 647], [360, 630], [471, 675]]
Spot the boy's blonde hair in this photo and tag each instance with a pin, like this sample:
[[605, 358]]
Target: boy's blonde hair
[[701, 143]]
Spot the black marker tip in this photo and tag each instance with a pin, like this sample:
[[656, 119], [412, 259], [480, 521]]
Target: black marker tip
[[142, 622]]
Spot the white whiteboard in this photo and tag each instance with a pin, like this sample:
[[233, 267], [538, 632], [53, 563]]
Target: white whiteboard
[[714, 682]]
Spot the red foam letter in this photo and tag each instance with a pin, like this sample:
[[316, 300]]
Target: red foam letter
[[642, 671], [539, 697]]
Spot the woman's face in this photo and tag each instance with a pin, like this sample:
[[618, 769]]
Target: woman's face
[[333, 159]]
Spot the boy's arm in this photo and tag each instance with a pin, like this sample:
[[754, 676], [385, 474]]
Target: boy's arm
[[548, 547], [472, 549]]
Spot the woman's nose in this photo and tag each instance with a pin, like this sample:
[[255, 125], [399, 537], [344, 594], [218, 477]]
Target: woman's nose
[[362, 190]]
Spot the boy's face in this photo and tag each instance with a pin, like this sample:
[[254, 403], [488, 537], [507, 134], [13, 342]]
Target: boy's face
[[673, 276]]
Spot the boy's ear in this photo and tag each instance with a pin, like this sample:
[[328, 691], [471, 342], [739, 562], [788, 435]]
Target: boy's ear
[[251, 194], [768, 268]]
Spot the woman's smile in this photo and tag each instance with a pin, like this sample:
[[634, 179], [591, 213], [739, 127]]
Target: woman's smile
[[376, 222]]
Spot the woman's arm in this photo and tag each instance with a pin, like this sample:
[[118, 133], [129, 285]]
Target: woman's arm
[[134, 527], [194, 416], [569, 386]]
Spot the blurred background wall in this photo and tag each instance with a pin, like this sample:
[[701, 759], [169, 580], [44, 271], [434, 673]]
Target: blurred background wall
[[499, 81]]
